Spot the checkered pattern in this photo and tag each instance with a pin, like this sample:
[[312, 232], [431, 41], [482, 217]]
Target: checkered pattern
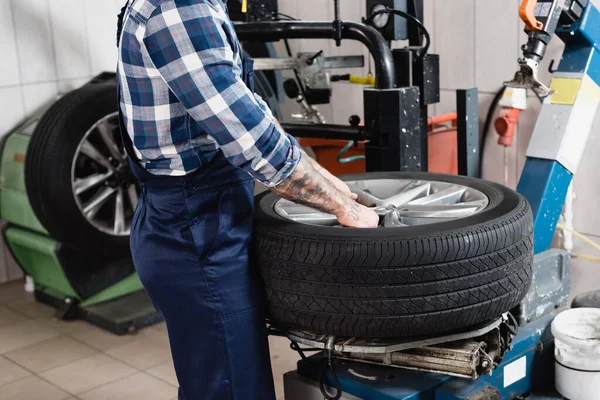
[[183, 96]]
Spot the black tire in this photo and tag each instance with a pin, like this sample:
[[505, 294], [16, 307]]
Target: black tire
[[397, 282], [48, 168]]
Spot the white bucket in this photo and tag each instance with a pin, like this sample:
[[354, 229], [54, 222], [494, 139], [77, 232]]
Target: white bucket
[[577, 339]]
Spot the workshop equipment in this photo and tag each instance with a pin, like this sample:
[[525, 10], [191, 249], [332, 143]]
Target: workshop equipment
[[526, 371], [565, 120], [577, 336], [442, 149]]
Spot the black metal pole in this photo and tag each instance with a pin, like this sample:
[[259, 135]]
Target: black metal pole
[[278, 30], [467, 130], [324, 131]]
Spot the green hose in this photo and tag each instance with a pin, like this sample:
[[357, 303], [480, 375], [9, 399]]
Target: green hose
[[348, 159]]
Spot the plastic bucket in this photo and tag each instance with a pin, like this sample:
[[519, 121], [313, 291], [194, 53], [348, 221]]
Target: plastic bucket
[[577, 353]]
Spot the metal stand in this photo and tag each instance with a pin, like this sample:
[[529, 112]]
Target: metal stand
[[467, 354]]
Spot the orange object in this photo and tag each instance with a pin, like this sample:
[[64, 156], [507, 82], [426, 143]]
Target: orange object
[[526, 12], [505, 126], [440, 119], [442, 153]]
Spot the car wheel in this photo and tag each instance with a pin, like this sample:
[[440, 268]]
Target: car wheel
[[450, 252], [77, 175]]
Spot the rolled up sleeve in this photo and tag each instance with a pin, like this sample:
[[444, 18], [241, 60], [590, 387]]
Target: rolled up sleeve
[[191, 48]]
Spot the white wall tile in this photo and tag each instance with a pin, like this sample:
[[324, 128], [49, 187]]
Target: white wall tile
[[101, 28], [587, 217], [70, 84], [429, 22], [493, 167], [69, 38], [527, 121], [34, 40], [38, 95], [9, 67], [455, 42], [447, 102], [11, 108], [496, 43]]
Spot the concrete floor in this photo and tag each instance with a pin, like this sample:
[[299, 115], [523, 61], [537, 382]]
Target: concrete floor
[[44, 359]]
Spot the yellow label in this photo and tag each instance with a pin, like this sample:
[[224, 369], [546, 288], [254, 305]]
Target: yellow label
[[565, 90], [245, 6]]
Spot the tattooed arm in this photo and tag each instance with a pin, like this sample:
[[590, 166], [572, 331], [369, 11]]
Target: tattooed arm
[[308, 186]]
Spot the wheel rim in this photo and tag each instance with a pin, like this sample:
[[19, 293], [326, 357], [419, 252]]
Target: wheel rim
[[103, 185], [399, 203]]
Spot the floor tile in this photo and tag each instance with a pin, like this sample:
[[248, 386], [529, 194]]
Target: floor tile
[[164, 371], [145, 351], [69, 326], [31, 308], [23, 334], [136, 387], [98, 338], [88, 373], [162, 327], [9, 317], [12, 291], [32, 388], [10, 372], [283, 359], [50, 354]]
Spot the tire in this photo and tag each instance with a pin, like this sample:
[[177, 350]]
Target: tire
[[397, 282], [48, 169]]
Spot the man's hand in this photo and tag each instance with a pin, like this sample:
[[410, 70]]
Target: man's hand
[[310, 187]]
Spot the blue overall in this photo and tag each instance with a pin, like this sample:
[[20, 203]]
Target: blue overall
[[190, 240]]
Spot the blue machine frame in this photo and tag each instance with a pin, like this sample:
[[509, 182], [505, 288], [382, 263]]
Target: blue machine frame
[[525, 369], [545, 181]]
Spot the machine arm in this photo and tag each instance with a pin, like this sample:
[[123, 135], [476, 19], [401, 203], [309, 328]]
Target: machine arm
[[542, 18]]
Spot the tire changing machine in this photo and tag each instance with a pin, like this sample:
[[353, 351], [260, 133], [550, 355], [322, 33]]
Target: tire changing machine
[[500, 360]]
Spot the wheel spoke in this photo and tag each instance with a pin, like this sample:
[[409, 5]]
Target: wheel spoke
[[132, 195], [97, 201], [408, 195], [119, 226], [447, 196], [304, 214], [392, 220], [106, 134], [92, 152], [84, 184], [366, 199]]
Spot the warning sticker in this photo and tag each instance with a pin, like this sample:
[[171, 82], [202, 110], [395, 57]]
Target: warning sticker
[[515, 371]]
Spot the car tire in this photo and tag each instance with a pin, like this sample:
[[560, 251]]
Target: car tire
[[397, 281], [48, 168]]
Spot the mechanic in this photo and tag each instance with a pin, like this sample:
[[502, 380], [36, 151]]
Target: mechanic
[[198, 138]]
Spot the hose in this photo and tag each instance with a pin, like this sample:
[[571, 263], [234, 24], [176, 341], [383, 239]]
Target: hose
[[344, 150], [585, 239]]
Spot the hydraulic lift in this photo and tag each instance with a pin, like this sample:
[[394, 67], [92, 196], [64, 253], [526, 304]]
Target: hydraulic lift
[[504, 359]]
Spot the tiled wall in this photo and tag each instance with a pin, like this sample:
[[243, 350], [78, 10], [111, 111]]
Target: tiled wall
[[51, 46]]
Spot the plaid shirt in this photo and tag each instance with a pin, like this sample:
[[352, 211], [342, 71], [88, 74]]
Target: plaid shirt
[[183, 95]]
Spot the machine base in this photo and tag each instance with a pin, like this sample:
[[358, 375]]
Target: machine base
[[123, 315], [527, 371]]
